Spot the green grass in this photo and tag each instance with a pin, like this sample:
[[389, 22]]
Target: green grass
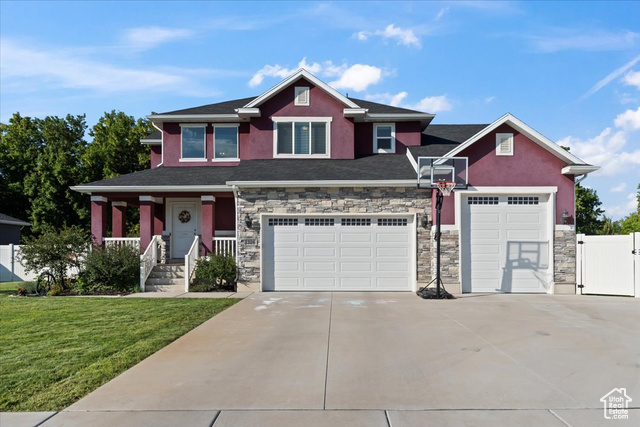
[[55, 350]]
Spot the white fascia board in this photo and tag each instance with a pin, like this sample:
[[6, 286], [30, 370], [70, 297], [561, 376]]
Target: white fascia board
[[20, 223], [151, 141], [508, 190], [297, 184], [525, 129], [197, 118], [295, 76], [248, 112], [412, 160], [89, 189], [395, 117], [579, 169], [355, 112]]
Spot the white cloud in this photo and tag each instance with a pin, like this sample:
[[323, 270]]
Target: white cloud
[[619, 188], [30, 68], [149, 37], [629, 120], [612, 76], [429, 104], [623, 209], [632, 78], [357, 77], [441, 13], [592, 40], [406, 37], [489, 99]]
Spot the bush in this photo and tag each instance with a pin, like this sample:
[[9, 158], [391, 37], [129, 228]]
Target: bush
[[214, 273], [108, 270], [56, 251]]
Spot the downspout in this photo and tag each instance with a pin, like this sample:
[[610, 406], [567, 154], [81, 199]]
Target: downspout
[[161, 144]]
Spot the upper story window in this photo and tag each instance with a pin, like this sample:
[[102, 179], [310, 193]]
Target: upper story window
[[384, 138], [225, 142], [504, 144], [301, 136], [302, 96], [193, 142]]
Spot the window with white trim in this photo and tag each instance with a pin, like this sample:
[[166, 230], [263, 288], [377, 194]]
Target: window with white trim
[[302, 137], [193, 142], [225, 142], [302, 96], [504, 144], [384, 138]]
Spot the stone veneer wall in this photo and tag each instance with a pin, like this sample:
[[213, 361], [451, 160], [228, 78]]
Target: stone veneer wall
[[256, 201], [564, 263], [449, 259]]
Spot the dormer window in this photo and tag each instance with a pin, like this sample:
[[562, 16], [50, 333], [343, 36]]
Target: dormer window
[[504, 144], [302, 96], [301, 136], [384, 138]]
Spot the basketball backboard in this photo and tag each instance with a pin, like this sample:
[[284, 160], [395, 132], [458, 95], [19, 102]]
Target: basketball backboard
[[450, 169]]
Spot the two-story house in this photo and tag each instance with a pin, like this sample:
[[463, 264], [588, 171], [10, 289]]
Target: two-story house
[[319, 192]]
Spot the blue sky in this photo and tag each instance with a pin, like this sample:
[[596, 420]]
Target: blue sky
[[569, 69]]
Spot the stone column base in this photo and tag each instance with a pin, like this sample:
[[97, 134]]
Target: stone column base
[[564, 288]]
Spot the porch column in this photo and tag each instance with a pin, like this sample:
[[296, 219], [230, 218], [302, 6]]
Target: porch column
[[208, 223], [158, 217], [98, 219], [118, 219], [147, 213]]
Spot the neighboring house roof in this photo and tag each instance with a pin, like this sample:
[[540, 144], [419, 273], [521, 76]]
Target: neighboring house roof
[[154, 139], [438, 140], [377, 170], [6, 219]]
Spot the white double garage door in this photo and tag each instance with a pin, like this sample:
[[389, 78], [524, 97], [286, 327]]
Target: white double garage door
[[505, 246], [349, 253]]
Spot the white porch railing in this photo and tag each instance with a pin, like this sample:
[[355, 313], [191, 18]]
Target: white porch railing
[[134, 242], [190, 261], [148, 260], [224, 246]]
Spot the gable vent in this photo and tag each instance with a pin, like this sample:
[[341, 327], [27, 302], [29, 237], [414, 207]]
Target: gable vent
[[504, 144], [302, 95]]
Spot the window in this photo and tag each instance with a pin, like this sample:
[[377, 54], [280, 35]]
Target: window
[[283, 222], [225, 142], [504, 144], [392, 222], [355, 222], [523, 200], [302, 96], [297, 137], [384, 138], [193, 142], [327, 222], [482, 200]]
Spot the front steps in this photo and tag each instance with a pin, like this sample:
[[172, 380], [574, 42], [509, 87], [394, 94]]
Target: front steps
[[166, 278]]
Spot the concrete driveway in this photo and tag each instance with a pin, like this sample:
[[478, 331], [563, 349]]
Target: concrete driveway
[[384, 359]]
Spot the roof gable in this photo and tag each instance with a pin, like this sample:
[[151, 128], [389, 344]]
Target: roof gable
[[301, 73]]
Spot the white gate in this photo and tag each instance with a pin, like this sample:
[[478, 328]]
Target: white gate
[[609, 265]]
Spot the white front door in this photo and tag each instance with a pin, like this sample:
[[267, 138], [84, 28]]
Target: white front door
[[505, 243], [338, 253], [185, 220]]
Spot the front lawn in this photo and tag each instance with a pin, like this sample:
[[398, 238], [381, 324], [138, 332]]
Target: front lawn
[[55, 350]]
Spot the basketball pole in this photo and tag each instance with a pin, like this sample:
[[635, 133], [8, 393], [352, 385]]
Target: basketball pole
[[439, 199]]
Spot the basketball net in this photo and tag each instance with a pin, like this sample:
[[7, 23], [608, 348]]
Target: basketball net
[[445, 187]]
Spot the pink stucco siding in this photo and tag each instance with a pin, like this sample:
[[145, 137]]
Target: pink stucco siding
[[156, 155], [530, 166]]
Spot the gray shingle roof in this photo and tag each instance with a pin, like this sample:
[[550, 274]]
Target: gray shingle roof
[[438, 140], [156, 134], [7, 219], [371, 168], [376, 108]]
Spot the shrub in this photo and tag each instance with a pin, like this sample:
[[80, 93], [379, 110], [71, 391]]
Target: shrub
[[114, 269], [56, 251], [214, 273]]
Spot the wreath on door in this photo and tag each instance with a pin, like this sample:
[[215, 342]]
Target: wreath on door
[[184, 217]]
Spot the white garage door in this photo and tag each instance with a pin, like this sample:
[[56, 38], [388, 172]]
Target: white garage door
[[338, 253], [505, 244]]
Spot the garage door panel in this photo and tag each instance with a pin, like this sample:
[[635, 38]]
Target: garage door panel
[[486, 217], [523, 218], [531, 234], [485, 235], [328, 253]]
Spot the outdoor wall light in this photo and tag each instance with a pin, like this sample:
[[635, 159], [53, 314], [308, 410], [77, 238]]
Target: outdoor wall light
[[248, 221], [565, 217], [425, 222]]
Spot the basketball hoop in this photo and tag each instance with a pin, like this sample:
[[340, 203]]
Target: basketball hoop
[[445, 187]]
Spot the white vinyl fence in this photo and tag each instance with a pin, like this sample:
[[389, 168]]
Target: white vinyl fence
[[608, 265], [11, 270]]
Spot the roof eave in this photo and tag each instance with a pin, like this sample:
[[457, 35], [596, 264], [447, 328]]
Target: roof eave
[[90, 189], [197, 118], [325, 183], [579, 169], [20, 223]]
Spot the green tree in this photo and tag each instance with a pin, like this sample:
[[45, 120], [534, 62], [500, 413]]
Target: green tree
[[588, 212], [20, 144], [609, 226], [631, 223], [116, 149], [53, 203]]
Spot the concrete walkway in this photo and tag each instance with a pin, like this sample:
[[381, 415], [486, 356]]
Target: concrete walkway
[[383, 359]]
